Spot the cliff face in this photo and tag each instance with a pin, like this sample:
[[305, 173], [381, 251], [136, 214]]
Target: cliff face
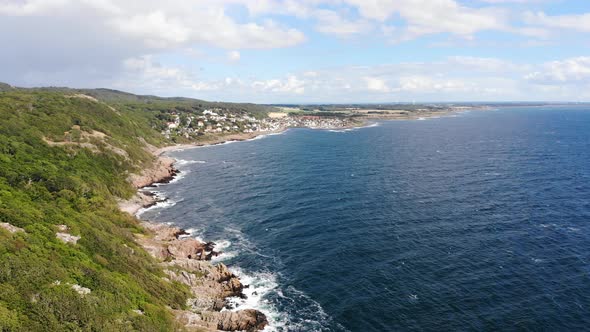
[[161, 171]]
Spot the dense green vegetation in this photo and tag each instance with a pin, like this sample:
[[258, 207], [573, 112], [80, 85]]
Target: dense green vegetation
[[157, 104], [55, 169]]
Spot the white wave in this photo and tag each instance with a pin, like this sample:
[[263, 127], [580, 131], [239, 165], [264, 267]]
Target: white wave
[[344, 130], [259, 285], [166, 203], [179, 176], [226, 254], [258, 137], [421, 119], [189, 233], [195, 234], [493, 173], [182, 162], [261, 136]]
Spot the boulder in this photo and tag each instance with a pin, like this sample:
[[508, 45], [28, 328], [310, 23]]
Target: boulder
[[68, 238], [10, 228], [242, 320]]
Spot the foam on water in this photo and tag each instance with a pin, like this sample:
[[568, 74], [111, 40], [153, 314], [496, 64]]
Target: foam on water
[[226, 254], [179, 176], [262, 288], [183, 162], [259, 287], [166, 203], [371, 125]]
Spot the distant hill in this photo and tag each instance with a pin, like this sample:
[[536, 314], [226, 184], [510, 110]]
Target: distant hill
[[5, 87], [121, 97]]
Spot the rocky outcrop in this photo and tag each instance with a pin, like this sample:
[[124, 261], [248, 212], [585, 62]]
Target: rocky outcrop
[[166, 243], [139, 200], [81, 290], [243, 320], [66, 237], [161, 172], [187, 261], [10, 228]]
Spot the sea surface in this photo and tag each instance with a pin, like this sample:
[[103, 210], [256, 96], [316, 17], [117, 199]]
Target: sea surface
[[477, 221]]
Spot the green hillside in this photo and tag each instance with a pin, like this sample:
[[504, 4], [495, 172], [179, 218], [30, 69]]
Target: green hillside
[[64, 160]]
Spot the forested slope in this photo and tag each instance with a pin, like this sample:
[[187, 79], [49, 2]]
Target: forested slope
[[68, 259]]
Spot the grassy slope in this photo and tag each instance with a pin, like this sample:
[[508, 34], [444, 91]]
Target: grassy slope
[[43, 186]]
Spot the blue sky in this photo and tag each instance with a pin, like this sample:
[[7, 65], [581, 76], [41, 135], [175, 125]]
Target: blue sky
[[304, 51]]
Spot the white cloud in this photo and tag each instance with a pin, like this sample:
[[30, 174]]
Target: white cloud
[[420, 17], [167, 24], [579, 22], [233, 56], [435, 16], [512, 1], [426, 84], [174, 48], [290, 85], [144, 72], [331, 22], [457, 78], [376, 84], [567, 71], [154, 28]]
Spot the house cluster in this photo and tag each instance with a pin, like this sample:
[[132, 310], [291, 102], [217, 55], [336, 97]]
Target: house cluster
[[218, 121], [274, 124], [213, 121]]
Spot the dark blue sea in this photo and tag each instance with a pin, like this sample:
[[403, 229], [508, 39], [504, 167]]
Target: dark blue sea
[[478, 221]]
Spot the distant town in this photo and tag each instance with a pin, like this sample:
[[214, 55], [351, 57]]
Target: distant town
[[220, 121]]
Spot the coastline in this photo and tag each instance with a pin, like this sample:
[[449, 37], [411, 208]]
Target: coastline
[[187, 260]]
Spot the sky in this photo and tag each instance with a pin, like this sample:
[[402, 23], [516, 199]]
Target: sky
[[303, 51]]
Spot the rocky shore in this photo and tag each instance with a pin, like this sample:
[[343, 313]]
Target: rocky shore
[[188, 261]]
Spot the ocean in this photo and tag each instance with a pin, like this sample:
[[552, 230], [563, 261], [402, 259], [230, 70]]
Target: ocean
[[476, 221]]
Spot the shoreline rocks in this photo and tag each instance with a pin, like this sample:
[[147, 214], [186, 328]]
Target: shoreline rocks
[[187, 261], [162, 171]]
